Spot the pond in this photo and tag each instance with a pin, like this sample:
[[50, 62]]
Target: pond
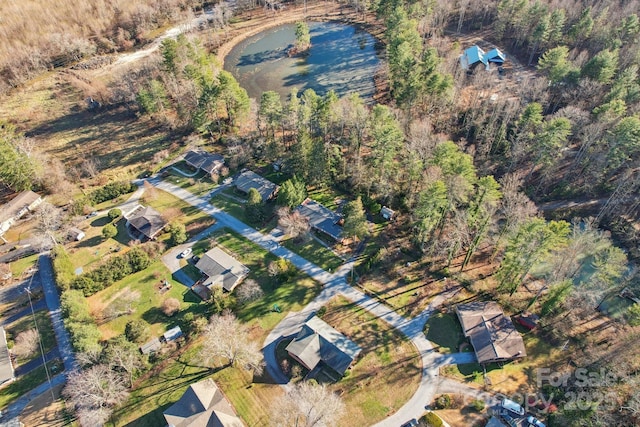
[[342, 58]]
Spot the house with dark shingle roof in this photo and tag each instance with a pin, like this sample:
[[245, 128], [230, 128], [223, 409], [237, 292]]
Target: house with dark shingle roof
[[318, 343], [218, 269], [493, 335], [322, 219], [6, 367], [249, 179], [202, 160], [146, 221], [202, 405]]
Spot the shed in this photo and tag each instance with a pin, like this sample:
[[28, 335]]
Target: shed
[[172, 334], [151, 346], [387, 213], [76, 234]]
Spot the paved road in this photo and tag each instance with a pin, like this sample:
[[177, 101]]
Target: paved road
[[336, 284], [53, 302], [33, 364], [37, 306]]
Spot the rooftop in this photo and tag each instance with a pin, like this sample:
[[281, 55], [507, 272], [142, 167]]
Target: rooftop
[[18, 205], [318, 341], [146, 220], [492, 334], [221, 268], [321, 218], [249, 179], [200, 159]]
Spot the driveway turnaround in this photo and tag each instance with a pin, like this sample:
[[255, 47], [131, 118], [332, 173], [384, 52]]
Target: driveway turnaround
[[336, 284]]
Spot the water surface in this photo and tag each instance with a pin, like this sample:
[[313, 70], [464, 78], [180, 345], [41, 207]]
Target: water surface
[[341, 58]]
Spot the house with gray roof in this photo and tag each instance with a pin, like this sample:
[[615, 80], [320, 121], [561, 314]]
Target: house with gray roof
[[203, 160], [319, 345], [492, 334], [218, 268], [16, 208], [202, 405], [6, 367], [145, 221], [322, 219], [249, 179]]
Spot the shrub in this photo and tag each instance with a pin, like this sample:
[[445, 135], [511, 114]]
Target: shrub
[[178, 233], [321, 311], [136, 331], [78, 321], [109, 231], [170, 306], [443, 401], [478, 405], [114, 213]]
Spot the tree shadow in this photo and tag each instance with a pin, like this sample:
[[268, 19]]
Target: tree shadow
[[100, 221], [90, 243], [154, 315]]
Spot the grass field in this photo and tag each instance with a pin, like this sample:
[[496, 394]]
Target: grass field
[[200, 184], [18, 267], [94, 248], [316, 253], [147, 283], [387, 372], [175, 209]]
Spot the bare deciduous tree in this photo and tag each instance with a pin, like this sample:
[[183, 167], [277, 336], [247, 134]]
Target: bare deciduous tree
[[93, 393], [170, 306], [26, 343], [293, 223], [308, 405], [249, 291], [124, 356], [225, 337], [49, 220]]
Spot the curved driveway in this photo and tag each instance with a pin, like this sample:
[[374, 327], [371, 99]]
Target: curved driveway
[[336, 284]]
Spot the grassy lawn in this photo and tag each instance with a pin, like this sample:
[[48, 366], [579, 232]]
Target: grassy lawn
[[516, 376], [444, 331], [147, 283], [27, 382], [18, 267], [227, 203], [200, 184], [387, 372], [24, 324], [326, 196], [94, 248], [315, 252], [175, 209], [152, 396]]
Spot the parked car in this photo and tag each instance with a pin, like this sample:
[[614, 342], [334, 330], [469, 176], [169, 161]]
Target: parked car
[[532, 421], [410, 423], [186, 253], [92, 214], [512, 406], [507, 418], [228, 180]]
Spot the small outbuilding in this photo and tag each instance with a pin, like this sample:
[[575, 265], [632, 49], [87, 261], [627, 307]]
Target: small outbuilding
[[151, 346], [387, 213], [75, 234], [172, 334]]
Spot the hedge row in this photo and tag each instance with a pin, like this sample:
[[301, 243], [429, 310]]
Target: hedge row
[[112, 270], [111, 191], [84, 332], [62, 267]]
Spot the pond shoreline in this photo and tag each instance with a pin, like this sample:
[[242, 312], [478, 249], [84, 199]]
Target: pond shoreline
[[256, 21]]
